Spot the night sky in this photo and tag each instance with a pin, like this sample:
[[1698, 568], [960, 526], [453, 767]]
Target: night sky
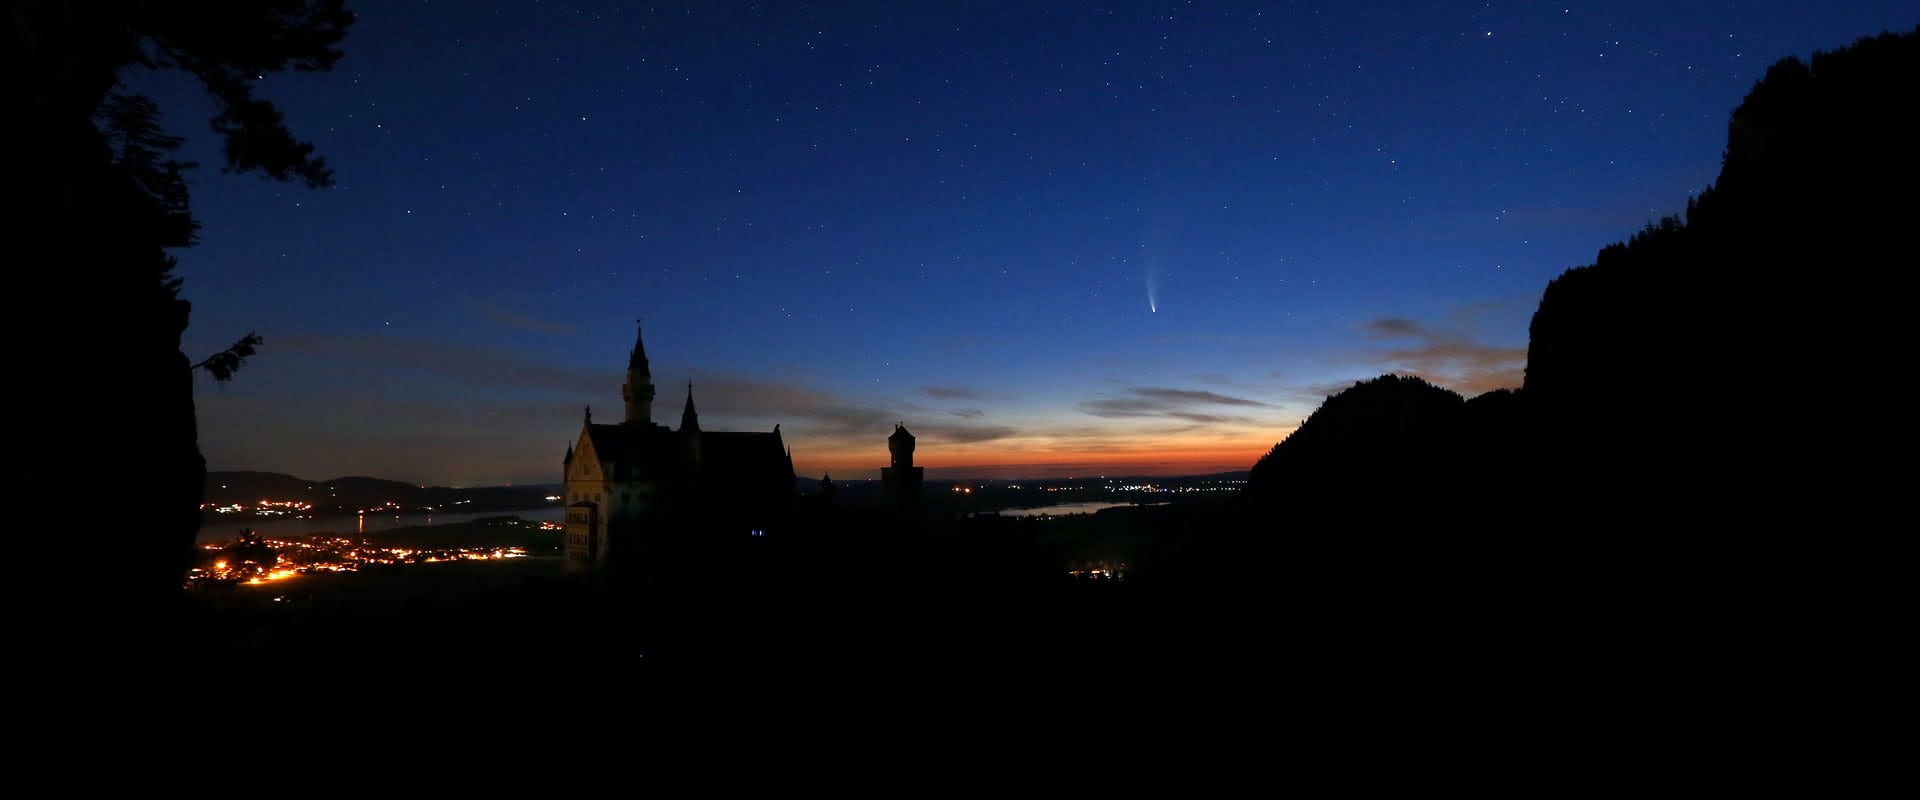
[[1052, 238]]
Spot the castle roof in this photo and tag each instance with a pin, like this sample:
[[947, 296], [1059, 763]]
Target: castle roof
[[657, 453], [744, 457], [689, 419]]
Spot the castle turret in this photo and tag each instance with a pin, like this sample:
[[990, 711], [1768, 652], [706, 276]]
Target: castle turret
[[901, 445], [903, 479], [690, 429], [689, 418], [638, 391]]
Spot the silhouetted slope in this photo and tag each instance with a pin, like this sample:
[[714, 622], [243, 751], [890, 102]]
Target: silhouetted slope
[[1376, 439]]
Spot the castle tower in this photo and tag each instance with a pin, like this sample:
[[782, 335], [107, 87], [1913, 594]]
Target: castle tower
[[638, 392], [903, 479], [900, 444]]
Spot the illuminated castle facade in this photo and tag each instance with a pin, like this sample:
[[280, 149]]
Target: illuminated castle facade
[[638, 491]]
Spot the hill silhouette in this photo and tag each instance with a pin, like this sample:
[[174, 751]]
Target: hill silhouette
[[349, 494], [1371, 440]]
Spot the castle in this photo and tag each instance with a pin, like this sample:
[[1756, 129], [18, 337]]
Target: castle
[[638, 491]]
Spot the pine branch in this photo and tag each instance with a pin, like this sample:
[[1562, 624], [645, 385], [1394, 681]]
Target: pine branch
[[224, 363]]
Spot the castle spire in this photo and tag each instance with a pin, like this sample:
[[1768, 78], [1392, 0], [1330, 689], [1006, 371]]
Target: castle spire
[[689, 419], [638, 391], [637, 357]]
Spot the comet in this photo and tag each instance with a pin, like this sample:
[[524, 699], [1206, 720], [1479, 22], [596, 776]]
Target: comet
[[1153, 292]]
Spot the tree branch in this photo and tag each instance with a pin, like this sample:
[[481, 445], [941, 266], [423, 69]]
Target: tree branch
[[224, 363]]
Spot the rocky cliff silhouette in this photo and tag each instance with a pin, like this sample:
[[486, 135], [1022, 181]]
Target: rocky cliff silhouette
[[1669, 384], [1657, 371]]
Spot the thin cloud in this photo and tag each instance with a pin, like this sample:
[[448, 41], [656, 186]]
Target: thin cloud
[[739, 395], [1193, 396], [1392, 327], [962, 434], [1160, 401], [1206, 419], [858, 422], [1448, 356], [474, 367], [1123, 407], [1321, 391], [719, 397], [950, 392], [494, 312], [847, 420], [1468, 312]]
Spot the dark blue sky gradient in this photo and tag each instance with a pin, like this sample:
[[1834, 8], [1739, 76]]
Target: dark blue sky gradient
[[963, 217]]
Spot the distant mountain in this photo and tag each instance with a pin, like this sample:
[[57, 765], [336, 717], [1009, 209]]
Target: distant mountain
[[352, 493]]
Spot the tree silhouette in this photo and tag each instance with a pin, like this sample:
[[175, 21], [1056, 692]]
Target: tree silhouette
[[92, 187], [223, 364]]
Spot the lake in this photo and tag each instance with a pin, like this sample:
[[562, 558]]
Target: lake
[[223, 530], [1063, 509]]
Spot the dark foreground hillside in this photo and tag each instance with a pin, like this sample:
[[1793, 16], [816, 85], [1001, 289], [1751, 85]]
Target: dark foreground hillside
[[986, 608]]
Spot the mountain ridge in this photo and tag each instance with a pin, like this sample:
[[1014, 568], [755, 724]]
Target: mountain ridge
[[354, 493]]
